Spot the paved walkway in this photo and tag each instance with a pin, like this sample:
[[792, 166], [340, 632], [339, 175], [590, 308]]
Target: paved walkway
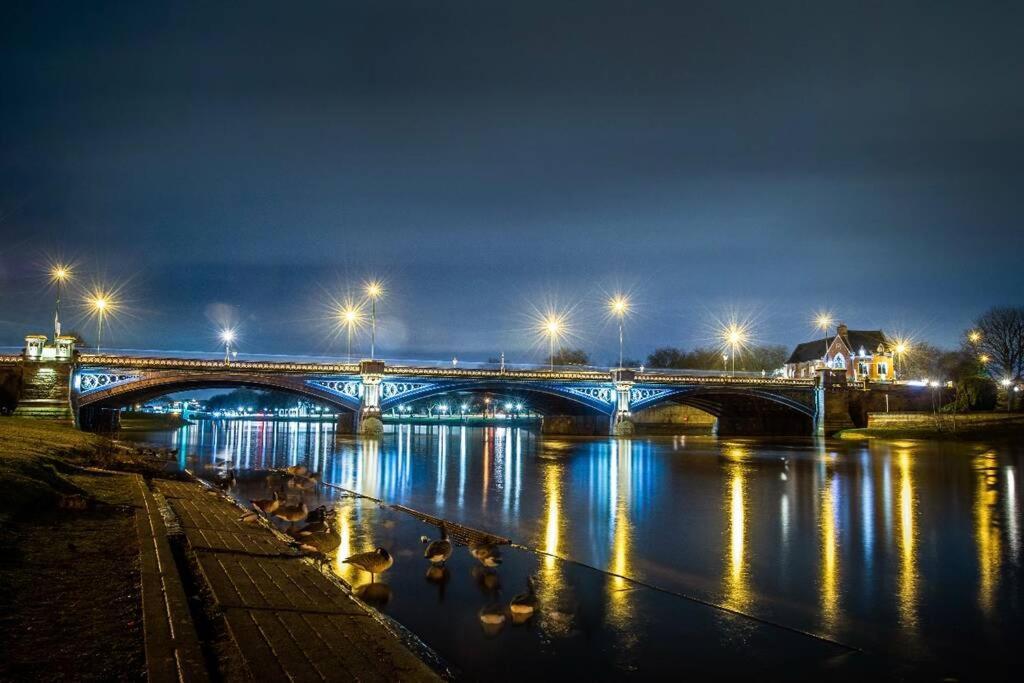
[[286, 618]]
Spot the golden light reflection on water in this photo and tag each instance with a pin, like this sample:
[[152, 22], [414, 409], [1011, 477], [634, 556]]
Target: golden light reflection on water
[[620, 598], [908, 577], [829, 579], [550, 589], [736, 583], [986, 529]]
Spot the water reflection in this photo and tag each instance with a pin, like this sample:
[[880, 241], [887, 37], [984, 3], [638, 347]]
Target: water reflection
[[736, 588], [986, 529], [925, 538], [908, 580]]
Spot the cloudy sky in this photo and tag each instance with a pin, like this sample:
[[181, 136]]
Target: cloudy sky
[[244, 163]]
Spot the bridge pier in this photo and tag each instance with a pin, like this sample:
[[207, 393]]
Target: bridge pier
[[622, 420], [371, 372], [833, 400]]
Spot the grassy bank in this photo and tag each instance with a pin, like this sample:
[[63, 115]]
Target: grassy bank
[[151, 422], [70, 604], [945, 430]]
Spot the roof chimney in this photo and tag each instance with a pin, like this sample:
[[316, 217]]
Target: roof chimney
[[842, 330]]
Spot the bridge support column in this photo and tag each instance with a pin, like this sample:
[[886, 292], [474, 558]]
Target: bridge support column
[[833, 402], [45, 379], [372, 371], [622, 419]]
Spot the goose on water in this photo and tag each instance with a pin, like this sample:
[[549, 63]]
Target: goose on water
[[439, 551], [524, 604], [374, 562], [487, 554]]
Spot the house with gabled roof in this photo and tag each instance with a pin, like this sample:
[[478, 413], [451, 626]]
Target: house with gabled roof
[[865, 355]]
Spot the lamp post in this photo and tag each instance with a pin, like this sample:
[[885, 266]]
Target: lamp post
[[1006, 382], [735, 336], [619, 307], [59, 274], [100, 304], [351, 316], [824, 321], [552, 326], [901, 348], [374, 290], [227, 336]]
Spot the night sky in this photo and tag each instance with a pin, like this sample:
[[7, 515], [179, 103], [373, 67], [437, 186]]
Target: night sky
[[244, 162]]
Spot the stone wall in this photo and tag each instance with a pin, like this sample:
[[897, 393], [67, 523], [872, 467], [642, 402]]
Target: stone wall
[[673, 414], [45, 391], [928, 420], [10, 387], [576, 425]]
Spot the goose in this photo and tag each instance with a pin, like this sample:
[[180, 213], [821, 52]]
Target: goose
[[439, 551], [524, 604], [297, 470], [492, 619], [227, 481], [267, 505], [320, 541], [487, 554], [374, 562], [292, 513]]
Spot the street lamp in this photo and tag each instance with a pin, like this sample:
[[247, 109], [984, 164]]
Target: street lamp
[[227, 336], [59, 274], [824, 321], [553, 328], [902, 347], [351, 317], [734, 336], [374, 290], [974, 336], [1006, 382], [618, 305], [101, 305]]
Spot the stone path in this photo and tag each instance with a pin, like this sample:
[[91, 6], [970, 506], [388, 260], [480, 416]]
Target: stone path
[[286, 618]]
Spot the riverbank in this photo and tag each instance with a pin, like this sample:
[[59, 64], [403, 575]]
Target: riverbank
[[93, 586], [940, 426], [151, 422]]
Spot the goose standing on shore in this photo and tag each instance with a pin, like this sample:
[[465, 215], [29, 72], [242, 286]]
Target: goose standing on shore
[[375, 562], [439, 551], [486, 553], [292, 513], [267, 505]]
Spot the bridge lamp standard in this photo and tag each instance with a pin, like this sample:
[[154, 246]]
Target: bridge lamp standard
[[101, 305], [374, 290], [824, 321], [901, 348], [734, 336], [351, 317], [618, 306], [553, 326], [227, 336], [59, 274]]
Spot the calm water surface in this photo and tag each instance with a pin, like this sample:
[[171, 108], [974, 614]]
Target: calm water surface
[[906, 555]]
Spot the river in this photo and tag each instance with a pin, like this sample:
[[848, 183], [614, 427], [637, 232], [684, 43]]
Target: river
[[654, 556]]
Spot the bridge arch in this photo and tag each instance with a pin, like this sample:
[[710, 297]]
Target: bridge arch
[[126, 388], [743, 410], [544, 398]]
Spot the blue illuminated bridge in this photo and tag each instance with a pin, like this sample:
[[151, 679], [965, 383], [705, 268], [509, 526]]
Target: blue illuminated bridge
[[571, 400]]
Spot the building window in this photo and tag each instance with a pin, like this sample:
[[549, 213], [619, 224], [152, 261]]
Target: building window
[[883, 370], [863, 369], [839, 363]]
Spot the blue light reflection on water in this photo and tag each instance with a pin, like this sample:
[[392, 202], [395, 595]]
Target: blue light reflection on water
[[910, 549]]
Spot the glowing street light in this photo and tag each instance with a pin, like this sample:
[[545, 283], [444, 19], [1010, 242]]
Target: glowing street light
[[102, 304], [901, 348], [618, 305], [553, 325], [227, 335], [735, 336], [824, 322], [374, 290], [984, 359], [59, 274], [351, 317], [974, 336]]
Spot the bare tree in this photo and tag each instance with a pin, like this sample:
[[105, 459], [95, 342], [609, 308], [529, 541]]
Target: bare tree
[[999, 336]]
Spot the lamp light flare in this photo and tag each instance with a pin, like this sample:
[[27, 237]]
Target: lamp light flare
[[618, 305], [60, 273], [227, 336], [974, 336], [374, 289]]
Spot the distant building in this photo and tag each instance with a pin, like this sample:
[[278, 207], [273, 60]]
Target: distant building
[[864, 354]]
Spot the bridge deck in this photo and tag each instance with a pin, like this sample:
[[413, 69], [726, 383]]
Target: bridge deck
[[288, 620]]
